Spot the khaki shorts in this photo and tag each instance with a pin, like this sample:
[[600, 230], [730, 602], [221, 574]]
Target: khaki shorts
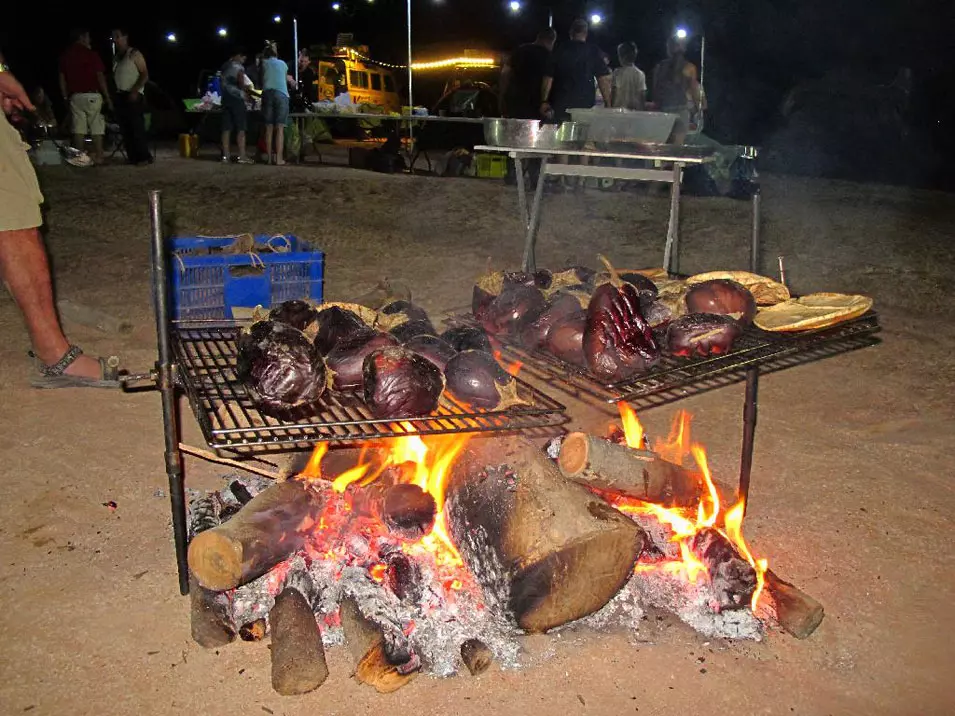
[[20, 196], [86, 109]]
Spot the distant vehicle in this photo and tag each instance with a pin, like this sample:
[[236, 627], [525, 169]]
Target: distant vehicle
[[348, 70]]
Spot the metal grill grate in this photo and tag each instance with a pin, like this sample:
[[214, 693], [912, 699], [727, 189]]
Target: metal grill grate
[[228, 418], [674, 379]]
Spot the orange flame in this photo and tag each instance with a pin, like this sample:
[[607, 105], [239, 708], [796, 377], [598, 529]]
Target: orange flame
[[632, 428], [512, 368], [683, 522]]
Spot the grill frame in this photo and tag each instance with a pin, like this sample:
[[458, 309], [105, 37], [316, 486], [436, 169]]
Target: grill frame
[[206, 352], [676, 379]]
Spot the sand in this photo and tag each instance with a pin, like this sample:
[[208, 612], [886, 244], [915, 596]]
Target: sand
[[851, 497]]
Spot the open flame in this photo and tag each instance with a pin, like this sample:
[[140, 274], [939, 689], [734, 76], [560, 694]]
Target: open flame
[[685, 523]]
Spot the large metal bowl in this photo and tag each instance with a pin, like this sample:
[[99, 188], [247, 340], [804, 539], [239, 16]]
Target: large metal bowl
[[531, 134]]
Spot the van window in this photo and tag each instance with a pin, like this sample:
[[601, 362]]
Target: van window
[[376, 81], [358, 79], [389, 83]]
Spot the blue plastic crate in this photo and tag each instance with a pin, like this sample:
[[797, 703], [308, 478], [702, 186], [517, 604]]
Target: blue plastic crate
[[208, 285]]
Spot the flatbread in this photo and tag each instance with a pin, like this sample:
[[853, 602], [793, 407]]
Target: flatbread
[[816, 310], [766, 291]]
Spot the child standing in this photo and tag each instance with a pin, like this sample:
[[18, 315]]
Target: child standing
[[629, 81]]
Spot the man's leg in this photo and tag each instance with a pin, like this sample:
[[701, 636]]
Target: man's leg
[[280, 144], [138, 128], [225, 144], [26, 272], [268, 143], [240, 141]]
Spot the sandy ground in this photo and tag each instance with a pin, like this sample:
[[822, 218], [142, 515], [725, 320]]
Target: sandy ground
[[852, 497]]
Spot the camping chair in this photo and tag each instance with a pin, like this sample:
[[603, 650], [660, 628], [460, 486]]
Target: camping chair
[[113, 138]]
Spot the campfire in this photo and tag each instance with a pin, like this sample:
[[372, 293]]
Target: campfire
[[426, 553]]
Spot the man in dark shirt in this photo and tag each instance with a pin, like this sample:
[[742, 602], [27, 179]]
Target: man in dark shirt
[[569, 80], [307, 93], [522, 77], [83, 85]]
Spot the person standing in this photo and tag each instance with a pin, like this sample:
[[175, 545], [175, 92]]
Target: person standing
[[523, 76], [130, 76], [577, 69], [676, 89], [24, 267], [276, 81], [629, 81], [234, 110], [83, 86], [307, 93]]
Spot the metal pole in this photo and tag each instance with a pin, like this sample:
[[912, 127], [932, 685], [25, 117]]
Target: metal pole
[[550, 17], [702, 60], [295, 42], [754, 248], [749, 433], [167, 389], [410, 90]]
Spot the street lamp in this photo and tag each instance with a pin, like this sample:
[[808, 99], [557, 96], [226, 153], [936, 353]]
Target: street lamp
[[222, 32], [336, 6], [596, 18], [514, 5], [277, 19], [171, 37], [681, 33]]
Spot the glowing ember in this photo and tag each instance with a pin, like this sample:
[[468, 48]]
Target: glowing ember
[[512, 368], [686, 523]]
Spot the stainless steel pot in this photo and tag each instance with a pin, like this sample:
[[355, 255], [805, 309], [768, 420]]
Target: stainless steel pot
[[531, 134]]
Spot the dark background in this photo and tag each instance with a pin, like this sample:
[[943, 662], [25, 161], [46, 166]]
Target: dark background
[[757, 51]]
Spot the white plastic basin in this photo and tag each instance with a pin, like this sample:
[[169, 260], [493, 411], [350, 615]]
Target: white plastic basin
[[622, 125]]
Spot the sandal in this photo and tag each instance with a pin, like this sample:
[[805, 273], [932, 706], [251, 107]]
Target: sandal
[[54, 376]]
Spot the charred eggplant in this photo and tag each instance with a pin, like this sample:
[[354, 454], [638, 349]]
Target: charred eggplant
[[336, 324], [400, 384], [702, 334], [724, 297], [297, 314], [467, 338], [475, 378], [435, 349], [346, 359]]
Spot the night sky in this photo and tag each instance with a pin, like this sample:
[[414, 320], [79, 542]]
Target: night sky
[[756, 50]]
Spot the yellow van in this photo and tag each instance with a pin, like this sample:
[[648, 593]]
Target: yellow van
[[367, 83]]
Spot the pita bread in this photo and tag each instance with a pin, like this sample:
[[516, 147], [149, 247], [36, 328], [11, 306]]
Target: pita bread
[[765, 290], [816, 310]]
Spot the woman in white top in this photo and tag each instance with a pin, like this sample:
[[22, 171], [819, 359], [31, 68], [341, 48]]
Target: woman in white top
[[130, 75]]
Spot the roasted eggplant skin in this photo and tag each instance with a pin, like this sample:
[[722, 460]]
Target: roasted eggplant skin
[[473, 377], [435, 349], [702, 334], [413, 312], [507, 313], [347, 358], [566, 339], [280, 367], [417, 327], [336, 324], [297, 314], [722, 296], [618, 342], [640, 282], [559, 307], [467, 338], [400, 384]]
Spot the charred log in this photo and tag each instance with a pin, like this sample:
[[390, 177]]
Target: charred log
[[408, 510], [549, 548], [385, 663], [795, 611], [403, 577], [611, 467], [254, 631], [210, 613], [732, 578], [477, 656], [267, 530]]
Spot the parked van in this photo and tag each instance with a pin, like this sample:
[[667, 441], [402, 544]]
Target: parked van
[[347, 70]]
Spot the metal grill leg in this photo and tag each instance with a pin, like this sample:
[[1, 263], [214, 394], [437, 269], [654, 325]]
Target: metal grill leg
[[671, 254], [521, 189], [167, 389], [749, 432], [530, 260], [754, 248]]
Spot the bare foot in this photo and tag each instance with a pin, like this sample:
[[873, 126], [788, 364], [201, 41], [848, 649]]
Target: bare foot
[[280, 162]]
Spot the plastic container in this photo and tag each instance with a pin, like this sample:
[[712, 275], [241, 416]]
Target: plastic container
[[620, 125], [189, 146], [491, 166], [208, 283]]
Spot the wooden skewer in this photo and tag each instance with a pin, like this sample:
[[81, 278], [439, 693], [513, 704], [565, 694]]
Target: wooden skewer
[[212, 457]]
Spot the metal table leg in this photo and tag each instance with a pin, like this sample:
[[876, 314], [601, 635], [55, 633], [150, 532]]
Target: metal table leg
[[754, 247], [671, 254], [749, 432], [521, 189], [533, 225], [167, 388]]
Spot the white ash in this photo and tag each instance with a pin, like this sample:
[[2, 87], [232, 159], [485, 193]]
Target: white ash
[[694, 604], [623, 610], [552, 448]]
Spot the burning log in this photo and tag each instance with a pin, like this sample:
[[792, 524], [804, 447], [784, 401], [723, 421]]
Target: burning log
[[273, 525], [640, 474], [548, 548], [376, 670], [797, 613], [408, 510], [298, 657], [477, 656], [367, 644], [732, 579]]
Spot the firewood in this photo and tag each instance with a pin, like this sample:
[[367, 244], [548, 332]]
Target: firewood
[[375, 670], [298, 657], [732, 578], [408, 510], [794, 610], [643, 475], [360, 633], [254, 631], [477, 656], [549, 547], [266, 531], [210, 617]]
